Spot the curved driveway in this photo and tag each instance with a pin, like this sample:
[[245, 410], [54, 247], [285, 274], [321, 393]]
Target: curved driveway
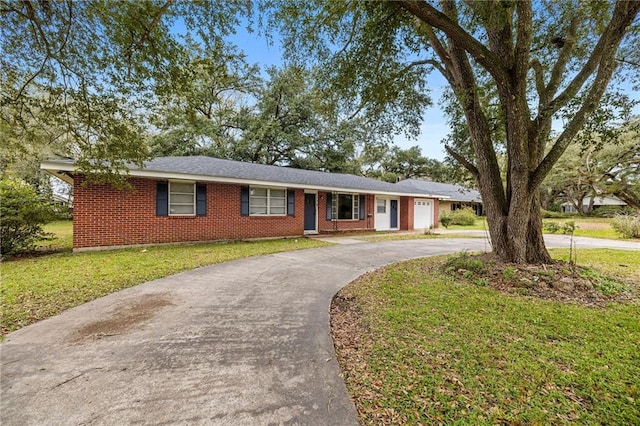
[[240, 343]]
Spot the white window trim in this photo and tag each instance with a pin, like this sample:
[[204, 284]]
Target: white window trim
[[355, 206], [268, 188], [183, 193]]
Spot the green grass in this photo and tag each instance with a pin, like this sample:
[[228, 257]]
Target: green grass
[[39, 287], [594, 227], [63, 236], [621, 263], [441, 351]]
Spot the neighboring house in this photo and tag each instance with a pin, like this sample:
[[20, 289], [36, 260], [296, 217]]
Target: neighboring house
[[457, 196], [63, 200], [178, 199], [569, 207]]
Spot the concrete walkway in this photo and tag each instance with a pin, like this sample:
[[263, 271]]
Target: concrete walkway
[[240, 343]]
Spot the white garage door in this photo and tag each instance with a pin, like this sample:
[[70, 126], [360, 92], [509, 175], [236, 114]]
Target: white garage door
[[422, 213]]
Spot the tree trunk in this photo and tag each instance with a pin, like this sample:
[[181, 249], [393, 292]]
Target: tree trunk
[[536, 249], [518, 237]]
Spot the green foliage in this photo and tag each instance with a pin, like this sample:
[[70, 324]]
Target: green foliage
[[464, 217], [567, 227], [509, 273], [551, 227], [612, 211], [81, 77], [603, 165], [547, 214], [627, 225], [506, 68], [22, 213], [464, 262], [400, 164], [446, 219], [604, 284]]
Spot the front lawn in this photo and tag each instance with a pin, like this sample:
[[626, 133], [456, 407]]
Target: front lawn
[[418, 346], [595, 227], [39, 287], [62, 240]]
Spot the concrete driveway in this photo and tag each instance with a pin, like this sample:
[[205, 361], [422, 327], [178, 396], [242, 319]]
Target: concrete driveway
[[240, 343]]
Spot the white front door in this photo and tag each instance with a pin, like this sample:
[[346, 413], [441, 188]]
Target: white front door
[[382, 212], [422, 213]]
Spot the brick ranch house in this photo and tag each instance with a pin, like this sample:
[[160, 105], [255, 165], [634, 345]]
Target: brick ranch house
[[457, 197], [187, 199]]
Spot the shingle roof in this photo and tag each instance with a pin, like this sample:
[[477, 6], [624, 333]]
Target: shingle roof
[[455, 192], [212, 168]]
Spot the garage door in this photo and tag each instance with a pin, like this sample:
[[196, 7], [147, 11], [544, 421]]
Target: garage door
[[422, 213]]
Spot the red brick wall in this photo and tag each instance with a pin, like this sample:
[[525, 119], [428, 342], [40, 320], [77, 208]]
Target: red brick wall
[[104, 216], [325, 225], [406, 213], [436, 213]]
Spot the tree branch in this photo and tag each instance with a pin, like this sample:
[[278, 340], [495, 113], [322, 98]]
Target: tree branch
[[431, 16], [441, 51], [538, 73], [147, 33], [460, 159], [524, 30], [624, 13], [563, 58]]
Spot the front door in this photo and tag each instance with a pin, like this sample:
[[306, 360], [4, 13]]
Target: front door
[[310, 212], [394, 214]]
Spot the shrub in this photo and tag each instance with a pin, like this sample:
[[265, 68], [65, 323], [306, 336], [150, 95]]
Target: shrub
[[464, 262], [551, 227], [627, 225], [464, 217], [22, 213], [445, 220], [547, 214], [611, 211], [568, 227]]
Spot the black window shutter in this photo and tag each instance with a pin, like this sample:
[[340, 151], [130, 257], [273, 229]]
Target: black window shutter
[[329, 205], [291, 202], [162, 199], [362, 209], [244, 201], [201, 200]]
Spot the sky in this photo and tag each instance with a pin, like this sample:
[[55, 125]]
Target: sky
[[434, 127]]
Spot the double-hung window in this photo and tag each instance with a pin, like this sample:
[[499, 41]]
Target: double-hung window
[[182, 199], [267, 201], [348, 206]]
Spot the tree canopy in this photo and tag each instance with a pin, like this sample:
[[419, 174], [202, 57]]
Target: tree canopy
[[79, 76], [513, 67], [588, 171]]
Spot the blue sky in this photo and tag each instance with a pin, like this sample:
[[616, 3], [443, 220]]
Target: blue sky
[[434, 127]]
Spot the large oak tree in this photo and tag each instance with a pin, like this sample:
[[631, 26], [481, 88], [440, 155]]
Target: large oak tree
[[513, 67], [79, 77]]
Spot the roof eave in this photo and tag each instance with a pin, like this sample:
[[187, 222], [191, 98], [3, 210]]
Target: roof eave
[[58, 169]]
